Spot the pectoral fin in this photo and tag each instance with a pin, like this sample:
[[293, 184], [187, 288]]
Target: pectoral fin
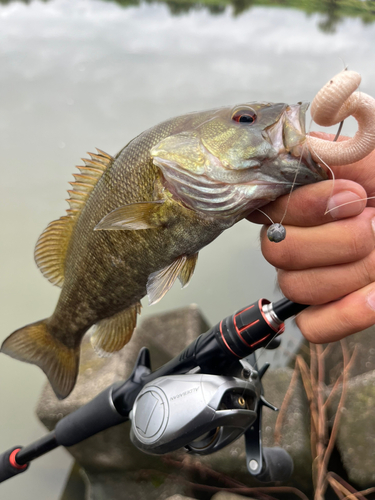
[[142, 215], [111, 334]]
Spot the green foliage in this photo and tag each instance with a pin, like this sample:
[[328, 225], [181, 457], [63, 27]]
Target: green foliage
[[333, 12]]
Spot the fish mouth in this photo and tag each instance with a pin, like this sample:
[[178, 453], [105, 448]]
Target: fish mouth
[[288, 137]]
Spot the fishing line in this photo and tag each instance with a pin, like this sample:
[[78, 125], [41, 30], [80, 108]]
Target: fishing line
[[349, 203], [294, 183], [277, 232], [264, 213]]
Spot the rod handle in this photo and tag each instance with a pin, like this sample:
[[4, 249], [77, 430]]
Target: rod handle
[[8, 465]]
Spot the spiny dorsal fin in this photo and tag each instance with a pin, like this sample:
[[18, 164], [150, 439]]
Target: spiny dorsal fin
[[51, 247], [111, 334]]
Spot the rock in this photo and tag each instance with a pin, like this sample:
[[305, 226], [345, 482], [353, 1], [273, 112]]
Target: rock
[[113, 465], [364, 361], [365, 358], [295, 435], [356, 434], [179, 497], [223, 495]]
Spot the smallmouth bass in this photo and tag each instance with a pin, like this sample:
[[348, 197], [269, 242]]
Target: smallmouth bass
[[138, 220]]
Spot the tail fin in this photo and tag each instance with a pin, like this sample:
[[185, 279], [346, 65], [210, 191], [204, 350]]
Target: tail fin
[[34, 344]]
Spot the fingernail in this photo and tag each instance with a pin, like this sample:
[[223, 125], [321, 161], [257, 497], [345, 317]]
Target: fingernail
[[344, 204], [371, 299]]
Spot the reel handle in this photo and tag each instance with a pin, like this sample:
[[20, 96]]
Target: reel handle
[[277, 465]]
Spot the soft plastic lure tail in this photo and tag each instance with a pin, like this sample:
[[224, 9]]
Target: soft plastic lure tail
[[335, 102]]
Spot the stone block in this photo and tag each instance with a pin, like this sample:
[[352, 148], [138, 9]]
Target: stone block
[[356, 434], [223, 495], [364, 361]]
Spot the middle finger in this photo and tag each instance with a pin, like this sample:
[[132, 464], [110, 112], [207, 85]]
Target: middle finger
[[308, 204], [338, 242]]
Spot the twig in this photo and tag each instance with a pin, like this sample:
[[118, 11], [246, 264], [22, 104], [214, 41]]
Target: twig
[[333, 391], [321, 482], [305, 374], [328, 349], [313, 367], [346, 368], [322, 429], [284, 406], [357, 494], [261, 492], [337, 487], [349, 490], [253, 491], [195, 466]]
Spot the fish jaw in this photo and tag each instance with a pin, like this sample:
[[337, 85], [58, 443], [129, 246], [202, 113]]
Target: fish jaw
[[247, 176], [288, 137]]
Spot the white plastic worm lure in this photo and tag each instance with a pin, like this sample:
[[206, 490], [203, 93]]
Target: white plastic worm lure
[[335, 102]]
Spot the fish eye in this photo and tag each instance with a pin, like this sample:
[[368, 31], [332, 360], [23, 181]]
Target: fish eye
[[244, 115]]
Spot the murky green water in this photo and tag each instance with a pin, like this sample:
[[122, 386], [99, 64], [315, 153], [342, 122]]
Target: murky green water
[[76, 75]]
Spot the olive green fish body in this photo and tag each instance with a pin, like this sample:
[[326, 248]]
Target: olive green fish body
[[109, 270], [137, 222]]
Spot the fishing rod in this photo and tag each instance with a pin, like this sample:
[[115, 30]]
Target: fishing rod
[[203, 399]]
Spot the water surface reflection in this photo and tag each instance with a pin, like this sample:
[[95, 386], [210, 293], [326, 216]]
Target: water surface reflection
[[332, 12]]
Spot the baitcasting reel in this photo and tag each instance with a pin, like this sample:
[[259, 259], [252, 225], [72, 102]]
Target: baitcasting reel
[[200, 412], [204, 413]]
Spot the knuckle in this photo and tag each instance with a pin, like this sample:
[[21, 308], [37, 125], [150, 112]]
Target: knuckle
[[366, 269], [310, 328], [359, 247], [297, 286], [282, 255]]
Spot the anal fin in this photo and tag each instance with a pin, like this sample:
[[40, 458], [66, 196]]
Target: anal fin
[[142, 215], [112, 334]]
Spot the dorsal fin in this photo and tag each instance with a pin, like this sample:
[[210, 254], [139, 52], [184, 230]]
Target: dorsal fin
[[51, 247]]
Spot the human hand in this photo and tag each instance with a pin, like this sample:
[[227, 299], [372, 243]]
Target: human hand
[[328, 260]]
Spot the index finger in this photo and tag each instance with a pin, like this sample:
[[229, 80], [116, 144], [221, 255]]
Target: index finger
[[308, 205], [361, 171]]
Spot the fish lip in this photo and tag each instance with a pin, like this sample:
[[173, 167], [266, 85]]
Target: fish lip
[[288, 137]]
